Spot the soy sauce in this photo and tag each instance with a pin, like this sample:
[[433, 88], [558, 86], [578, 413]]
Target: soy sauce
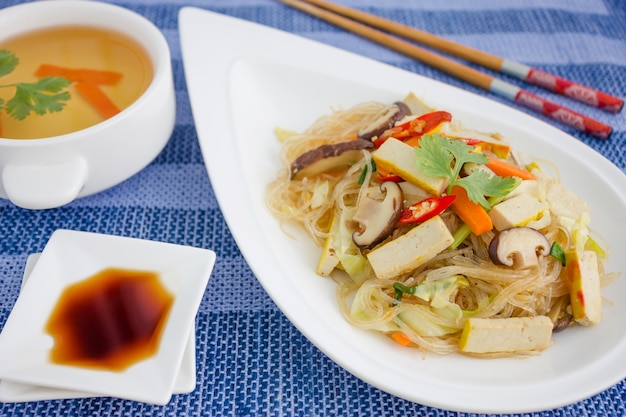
[[110, 320]]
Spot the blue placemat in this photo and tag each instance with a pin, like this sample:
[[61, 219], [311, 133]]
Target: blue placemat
[[250, 359]]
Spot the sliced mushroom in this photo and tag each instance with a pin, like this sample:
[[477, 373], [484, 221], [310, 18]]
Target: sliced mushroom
[[560, 314], [384, 120], [328, 157], [518, 247], [563, 322], [377, 218], [416, 106]]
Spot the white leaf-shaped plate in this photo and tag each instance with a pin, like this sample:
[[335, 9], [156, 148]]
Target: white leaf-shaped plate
[[245, 79]]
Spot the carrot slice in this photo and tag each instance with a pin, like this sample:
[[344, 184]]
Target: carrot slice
[[81, 75], [500, 149], [413, 140], [472, 214], [383, 172], [504, 169], [94, 95], [401, 338]]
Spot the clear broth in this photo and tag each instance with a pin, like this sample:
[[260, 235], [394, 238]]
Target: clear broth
[[73, 47]]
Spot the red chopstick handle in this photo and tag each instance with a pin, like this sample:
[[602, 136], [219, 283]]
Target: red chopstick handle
[[563, 114], [550, 109], [562, 86], [574, 90]]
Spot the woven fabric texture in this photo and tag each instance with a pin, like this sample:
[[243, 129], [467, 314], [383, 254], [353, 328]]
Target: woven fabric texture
[[251, 360]]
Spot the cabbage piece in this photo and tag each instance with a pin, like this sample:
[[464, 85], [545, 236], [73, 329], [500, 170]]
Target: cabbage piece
[[443, 316], [375, 310], [320, 194], [371, 308], [425, 321], [439, 292], [349, 255]]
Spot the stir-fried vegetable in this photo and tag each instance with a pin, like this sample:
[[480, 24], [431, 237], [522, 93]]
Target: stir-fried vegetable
[[438, 238], [425, 209], [438, 156], [412, 131]]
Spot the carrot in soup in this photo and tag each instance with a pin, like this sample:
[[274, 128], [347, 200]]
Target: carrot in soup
[[82, 75], [96, 97]]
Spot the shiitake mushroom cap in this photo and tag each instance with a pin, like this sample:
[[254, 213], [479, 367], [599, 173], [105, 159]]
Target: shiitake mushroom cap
[[378, 218], [518, 247], [385, 119], [329, 157]]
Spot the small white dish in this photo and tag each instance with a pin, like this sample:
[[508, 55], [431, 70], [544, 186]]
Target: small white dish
[[11, 391], [71, 256]]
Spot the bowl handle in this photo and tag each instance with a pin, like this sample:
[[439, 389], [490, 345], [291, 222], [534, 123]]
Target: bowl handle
[[44, 186]]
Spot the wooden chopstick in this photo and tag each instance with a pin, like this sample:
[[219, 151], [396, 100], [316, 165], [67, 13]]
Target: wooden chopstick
[[518, 70], [463, 72]]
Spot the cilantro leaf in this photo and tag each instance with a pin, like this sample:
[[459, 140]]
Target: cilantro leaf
[[438, 156], [462, 152], [480, 184], [8, 62], [432, 158], [40, 97]]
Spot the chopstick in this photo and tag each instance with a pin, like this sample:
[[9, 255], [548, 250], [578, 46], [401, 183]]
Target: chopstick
[[486, 82], [515, 69]]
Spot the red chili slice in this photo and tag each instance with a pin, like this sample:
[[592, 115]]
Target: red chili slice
[[425, 209], [434, 119], [415, 127], [390, 177], [469, 141]]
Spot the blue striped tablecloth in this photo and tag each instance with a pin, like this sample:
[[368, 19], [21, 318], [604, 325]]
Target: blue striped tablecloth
[[250, 359]]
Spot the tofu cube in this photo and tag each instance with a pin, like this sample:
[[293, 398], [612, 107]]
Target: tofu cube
[[565, 203], [399, 158], [583, 279], [411, 250], [516, 211], [515, 334], [412, 193]]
